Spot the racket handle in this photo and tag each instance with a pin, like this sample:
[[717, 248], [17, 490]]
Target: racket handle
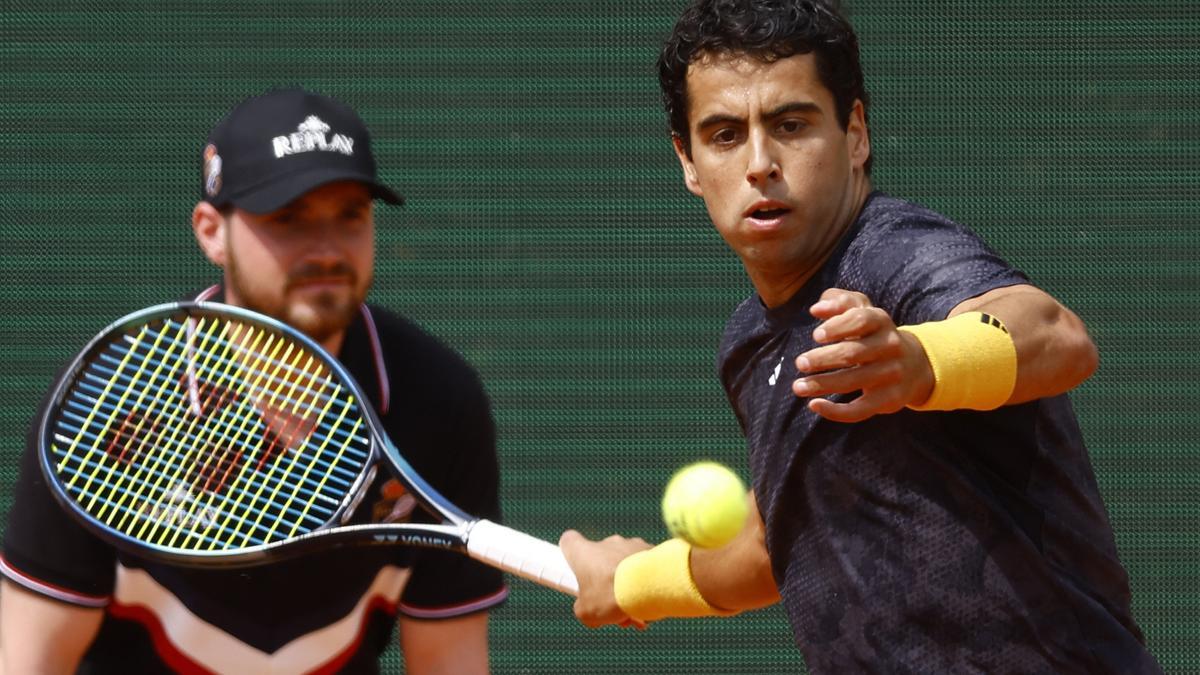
[[520, 554]]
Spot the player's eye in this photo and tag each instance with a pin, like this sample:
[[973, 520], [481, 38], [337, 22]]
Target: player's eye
[[284, 219], [355, 215], [791, 126], [724, 136]]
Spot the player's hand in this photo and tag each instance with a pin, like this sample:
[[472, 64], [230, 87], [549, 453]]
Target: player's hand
[[861, 350], [595, 564]]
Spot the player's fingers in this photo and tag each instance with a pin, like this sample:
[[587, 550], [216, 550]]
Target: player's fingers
[[834, 301], [867, 378], [590, 620], [848, 353], [569, 540], [866, 406], [625, 544], [852, 324], [576, 549], [833, 357], [596, 613], [583, 615]]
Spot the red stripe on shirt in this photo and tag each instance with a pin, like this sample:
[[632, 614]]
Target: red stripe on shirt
[[174, 658], [377, 603]]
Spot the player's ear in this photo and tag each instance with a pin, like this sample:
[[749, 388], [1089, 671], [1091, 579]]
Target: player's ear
[[689, 168], [209, 227], [858, 137]]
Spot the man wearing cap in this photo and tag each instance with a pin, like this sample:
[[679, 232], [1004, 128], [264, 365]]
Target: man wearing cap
[[286, 211]]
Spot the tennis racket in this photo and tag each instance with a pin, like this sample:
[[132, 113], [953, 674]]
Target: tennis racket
[[202, 434]]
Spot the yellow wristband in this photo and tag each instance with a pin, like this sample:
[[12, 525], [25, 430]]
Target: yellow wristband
[[973, 358], [657, 584]]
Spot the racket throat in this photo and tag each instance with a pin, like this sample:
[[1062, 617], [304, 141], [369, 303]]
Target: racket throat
[[358, 492]]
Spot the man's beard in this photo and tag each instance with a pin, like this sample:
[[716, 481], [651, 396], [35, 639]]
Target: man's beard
[[323, 315]]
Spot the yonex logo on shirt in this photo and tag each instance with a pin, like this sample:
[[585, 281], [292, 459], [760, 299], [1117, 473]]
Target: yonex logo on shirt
[[775, 375]]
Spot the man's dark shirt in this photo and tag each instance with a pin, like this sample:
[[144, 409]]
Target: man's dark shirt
[[925, 541]]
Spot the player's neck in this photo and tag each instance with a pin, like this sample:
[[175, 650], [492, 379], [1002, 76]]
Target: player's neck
[[333, 344], [775, 288]]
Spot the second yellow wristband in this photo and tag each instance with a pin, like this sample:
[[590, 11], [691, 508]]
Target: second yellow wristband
[[657, 584]]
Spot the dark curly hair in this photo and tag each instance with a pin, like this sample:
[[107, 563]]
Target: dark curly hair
[[768, 30]]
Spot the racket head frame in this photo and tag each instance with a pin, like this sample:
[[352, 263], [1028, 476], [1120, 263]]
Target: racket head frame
[[452, 533]]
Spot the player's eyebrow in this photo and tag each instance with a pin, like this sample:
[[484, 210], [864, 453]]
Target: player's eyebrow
[[719, 118], [289, 211], [356, 208], [806, 107]]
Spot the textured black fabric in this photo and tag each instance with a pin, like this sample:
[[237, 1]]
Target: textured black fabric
[[925, 542]]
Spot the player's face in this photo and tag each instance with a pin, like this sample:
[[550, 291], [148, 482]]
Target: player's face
[[780, 178], [309, 264]]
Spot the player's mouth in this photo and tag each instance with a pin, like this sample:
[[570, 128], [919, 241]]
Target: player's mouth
[[320, 282], [767, 213], [315, 277]]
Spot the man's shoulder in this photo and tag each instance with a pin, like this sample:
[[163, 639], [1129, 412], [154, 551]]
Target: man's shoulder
[[397, 332], [917, 263], [884, 215], [410, 349], [748, 314], [892, 233], [393, 324]]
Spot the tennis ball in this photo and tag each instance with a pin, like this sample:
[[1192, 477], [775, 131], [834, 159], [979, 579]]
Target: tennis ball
[[705, 504]]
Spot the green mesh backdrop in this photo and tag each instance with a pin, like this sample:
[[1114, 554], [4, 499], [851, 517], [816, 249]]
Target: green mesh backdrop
[[549, 238]]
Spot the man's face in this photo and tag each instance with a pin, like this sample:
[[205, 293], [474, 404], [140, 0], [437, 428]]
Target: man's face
[[780, 178], [309, 264]]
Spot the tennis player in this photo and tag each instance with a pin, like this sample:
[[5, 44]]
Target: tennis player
[[923, 500], [287, 212]]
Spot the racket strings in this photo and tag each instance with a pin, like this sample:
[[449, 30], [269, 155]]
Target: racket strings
[[144, 435], [208, 474], [272, 369], [298, 421], [316, 390], [216, 463], [203, 391], [95, 378], [92, 476], [221, 428], [154, 510]]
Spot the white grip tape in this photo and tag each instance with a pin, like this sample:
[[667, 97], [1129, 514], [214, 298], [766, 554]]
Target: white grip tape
[[525, 556]]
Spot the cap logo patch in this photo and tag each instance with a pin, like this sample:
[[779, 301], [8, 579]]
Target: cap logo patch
[[312, 134], [212, 170]]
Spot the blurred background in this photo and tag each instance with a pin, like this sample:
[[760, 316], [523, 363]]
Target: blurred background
[[548, 237]]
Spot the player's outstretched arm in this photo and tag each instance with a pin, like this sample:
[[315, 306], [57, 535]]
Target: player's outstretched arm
[[40, 635], [665, 571], [1055, 354], [1007, 346], [752, 585]]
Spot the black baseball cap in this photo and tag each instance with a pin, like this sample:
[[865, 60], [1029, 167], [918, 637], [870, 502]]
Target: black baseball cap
[[273, 148]]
